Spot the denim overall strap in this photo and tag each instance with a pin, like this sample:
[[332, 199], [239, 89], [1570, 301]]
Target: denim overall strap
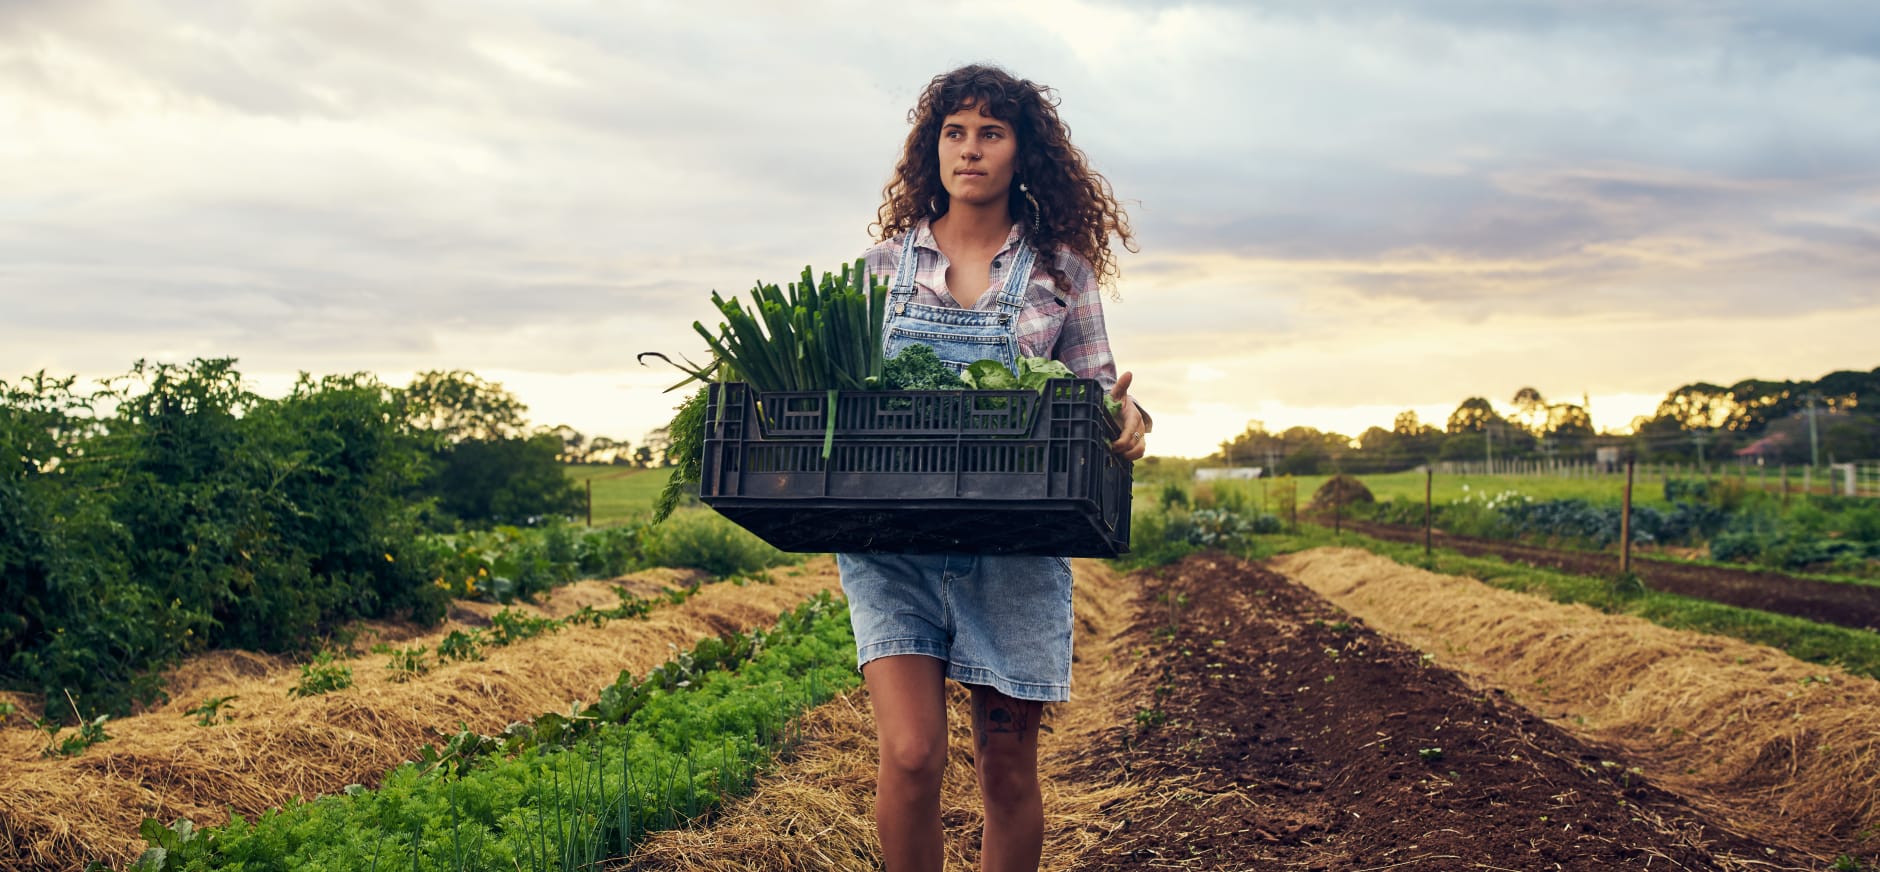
[[1012, 298], [903, 288]]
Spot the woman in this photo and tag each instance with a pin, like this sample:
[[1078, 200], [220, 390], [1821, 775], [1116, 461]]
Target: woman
[[996, 235]]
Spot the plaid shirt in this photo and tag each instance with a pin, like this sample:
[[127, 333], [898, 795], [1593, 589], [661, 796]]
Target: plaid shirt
[[1065, 326]]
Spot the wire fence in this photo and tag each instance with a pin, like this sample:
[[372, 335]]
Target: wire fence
[[1855, 479]]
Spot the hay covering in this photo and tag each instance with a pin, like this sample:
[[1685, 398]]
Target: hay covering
[[63, 813], [1782, 749], [1341, 490], [816, 811]]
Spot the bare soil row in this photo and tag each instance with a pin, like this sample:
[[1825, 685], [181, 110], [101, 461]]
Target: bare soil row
[[1779, 748], [1305, 739]]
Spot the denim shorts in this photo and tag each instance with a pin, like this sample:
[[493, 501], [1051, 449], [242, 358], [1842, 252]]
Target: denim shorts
[[1002, 621]]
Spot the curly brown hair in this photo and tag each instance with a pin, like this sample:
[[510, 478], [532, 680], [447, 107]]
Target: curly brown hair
[[1076, 208]]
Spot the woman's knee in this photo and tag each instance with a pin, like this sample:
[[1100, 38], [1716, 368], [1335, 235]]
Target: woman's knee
[[914, 758], [1006, 778]]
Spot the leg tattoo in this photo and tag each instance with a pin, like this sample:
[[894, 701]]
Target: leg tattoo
[[998, 713]]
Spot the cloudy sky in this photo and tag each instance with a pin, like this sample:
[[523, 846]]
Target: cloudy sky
[[1344, 209]]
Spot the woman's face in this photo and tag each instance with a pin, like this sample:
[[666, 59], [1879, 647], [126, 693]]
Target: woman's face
[[978, 154]]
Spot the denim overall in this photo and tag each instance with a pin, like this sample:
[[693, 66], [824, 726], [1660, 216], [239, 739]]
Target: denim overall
[[958, 336], [1003, 621]]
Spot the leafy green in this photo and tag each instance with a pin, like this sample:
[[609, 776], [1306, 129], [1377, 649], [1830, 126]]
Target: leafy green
[[989, 375], [686, 447], [918, 368], [1033, 372]]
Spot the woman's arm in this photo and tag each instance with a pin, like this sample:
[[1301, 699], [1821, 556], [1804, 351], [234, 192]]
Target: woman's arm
[[1083, 345]]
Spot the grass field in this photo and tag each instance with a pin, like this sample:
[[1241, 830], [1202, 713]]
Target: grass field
[[620, 492]]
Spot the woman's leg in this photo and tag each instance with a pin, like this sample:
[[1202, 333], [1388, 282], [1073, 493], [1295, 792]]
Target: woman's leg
[[909, 696], [1005, 753]]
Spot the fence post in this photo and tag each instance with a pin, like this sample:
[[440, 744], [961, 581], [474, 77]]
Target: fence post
[[1625, 524], [590, 502], [1428, 476]]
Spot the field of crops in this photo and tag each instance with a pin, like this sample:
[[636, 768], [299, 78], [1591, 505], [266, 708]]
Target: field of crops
[[1329, 708]]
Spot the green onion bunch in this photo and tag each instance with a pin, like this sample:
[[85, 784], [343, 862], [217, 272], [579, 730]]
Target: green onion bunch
[[811, 336]]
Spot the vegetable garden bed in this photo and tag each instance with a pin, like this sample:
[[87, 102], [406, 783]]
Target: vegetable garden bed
[[61, 813]]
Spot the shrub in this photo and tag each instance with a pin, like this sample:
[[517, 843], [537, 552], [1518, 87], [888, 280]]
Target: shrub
[[709, 542], [202, 516], [1157, 538]]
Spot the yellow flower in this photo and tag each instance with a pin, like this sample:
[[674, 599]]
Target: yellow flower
[[482, 572], [388, 559]]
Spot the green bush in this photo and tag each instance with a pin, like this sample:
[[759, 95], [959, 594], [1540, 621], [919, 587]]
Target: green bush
[[707, 541], [196, 515]]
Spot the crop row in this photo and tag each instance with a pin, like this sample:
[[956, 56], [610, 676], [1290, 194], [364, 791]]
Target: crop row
[[1840, 535], [562, 791]]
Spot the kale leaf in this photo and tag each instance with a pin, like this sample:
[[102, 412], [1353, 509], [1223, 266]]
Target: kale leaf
[[918, 368]]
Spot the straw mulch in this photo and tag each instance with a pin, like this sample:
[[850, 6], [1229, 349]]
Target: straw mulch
[[1783, 750], [63, 813], [815, 811]]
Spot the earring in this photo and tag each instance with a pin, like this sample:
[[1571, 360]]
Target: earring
[[1026, 190]]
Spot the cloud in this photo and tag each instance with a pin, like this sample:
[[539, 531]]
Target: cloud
[[550, 187]]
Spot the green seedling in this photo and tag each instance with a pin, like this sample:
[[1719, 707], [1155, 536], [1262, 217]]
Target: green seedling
[[209, 712], [323, 675]]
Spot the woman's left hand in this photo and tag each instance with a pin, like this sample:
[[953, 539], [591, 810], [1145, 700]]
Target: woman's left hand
[[1133, 444]]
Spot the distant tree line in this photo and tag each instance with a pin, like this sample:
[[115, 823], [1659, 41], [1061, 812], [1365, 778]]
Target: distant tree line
[[577, 447], [1834, 418], [172, 509]]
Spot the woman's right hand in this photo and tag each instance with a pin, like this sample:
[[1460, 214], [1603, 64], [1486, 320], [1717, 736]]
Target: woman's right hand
[[1133, 443]]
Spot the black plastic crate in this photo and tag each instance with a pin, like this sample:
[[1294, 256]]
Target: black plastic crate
[[912, 472]]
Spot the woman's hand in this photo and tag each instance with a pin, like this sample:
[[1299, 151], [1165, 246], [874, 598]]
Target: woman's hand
[[1133, 444]]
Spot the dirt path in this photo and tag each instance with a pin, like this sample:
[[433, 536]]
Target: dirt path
[[63, 813], [1843, 604], [1296, 737], [1783, 749]]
